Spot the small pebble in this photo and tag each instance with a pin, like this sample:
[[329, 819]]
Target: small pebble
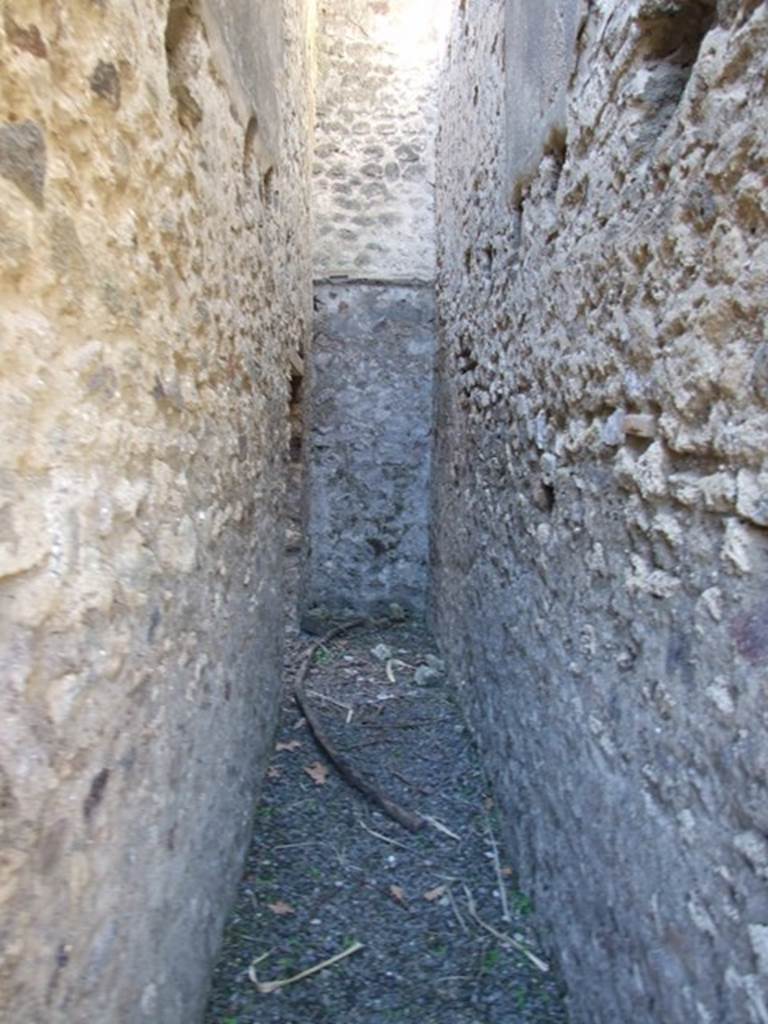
[[426, 676], [436, 663]]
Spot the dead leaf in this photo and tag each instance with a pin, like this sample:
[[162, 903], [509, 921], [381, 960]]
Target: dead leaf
[[318, 772], [281, 908], [273, 772], [508, 872], [434, 894], [290, 746], [398, 894]]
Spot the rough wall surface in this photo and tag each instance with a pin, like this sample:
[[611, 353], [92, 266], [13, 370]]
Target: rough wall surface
[[374, 264], [601, 502], [154, 275], [370, 394], [373, 176]]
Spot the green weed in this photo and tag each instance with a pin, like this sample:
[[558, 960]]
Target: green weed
[[522, 904], [490, 959]]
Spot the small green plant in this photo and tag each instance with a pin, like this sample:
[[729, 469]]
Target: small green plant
[[490, 959], [522, 904], [521, 998]]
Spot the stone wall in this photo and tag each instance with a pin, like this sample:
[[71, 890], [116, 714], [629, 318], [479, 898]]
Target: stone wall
[[373, 189], [368, 420], [369, 404], [154, 277], [599, 518]]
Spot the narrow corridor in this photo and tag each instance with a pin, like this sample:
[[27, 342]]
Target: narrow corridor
[[326, 869], [511, 257]]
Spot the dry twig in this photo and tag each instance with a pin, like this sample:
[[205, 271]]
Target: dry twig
[[408, 819], [265, 987], [416, 723], [456, 911], [390, 668], [330, 700], [507, 940], [505, 914], [379, 835], [442, 828], [300, 846]]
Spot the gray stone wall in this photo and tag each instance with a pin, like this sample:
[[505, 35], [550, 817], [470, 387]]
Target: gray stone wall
[[599, 524], [154, 276], [369, 376], [368, 449]]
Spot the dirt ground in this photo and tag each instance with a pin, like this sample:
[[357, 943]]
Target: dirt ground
[[441, 943]]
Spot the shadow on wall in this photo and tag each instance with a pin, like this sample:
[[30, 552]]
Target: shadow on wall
[[669, 40]]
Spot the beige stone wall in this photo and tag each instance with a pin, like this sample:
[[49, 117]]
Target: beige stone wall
[[153, 279], [601, 504], [373, 182]]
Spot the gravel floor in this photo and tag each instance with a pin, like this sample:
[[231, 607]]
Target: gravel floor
[[327, 870]]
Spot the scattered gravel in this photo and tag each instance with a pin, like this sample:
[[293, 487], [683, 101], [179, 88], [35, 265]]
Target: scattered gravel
[[326, 869]]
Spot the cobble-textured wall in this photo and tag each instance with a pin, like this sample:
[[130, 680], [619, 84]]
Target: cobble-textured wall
[[369, 402], [601, 502], [369, 379], [154, 275], [374, 138]]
